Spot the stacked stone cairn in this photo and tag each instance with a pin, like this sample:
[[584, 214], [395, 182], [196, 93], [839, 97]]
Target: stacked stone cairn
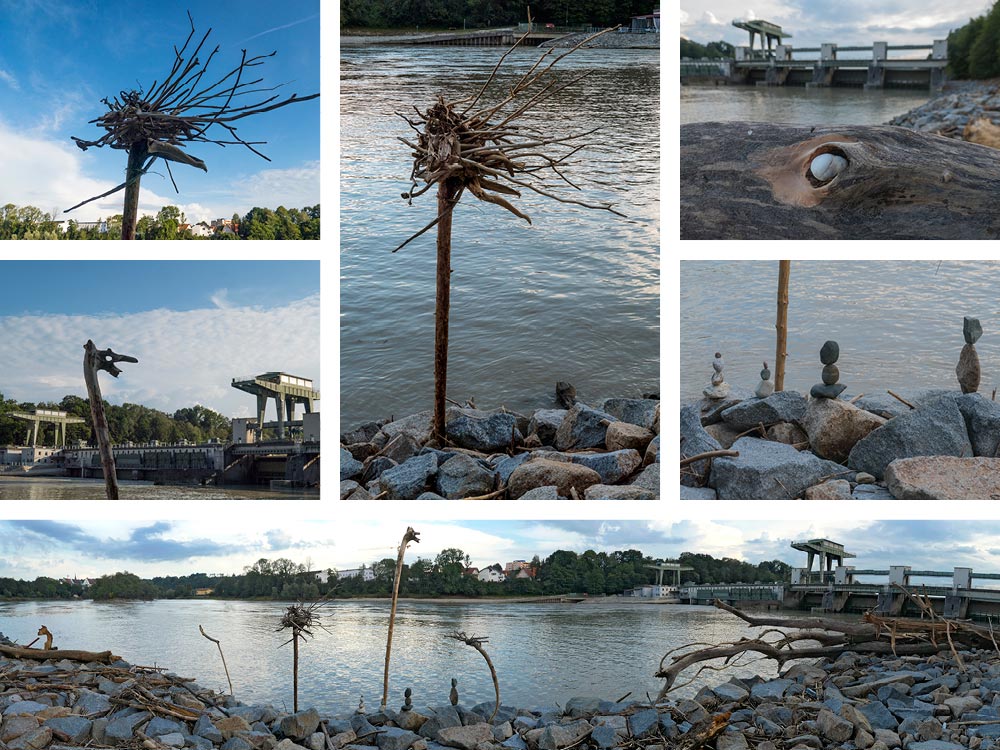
[[719, 388], [968, 369], [903, 445], [829, 388], [765, 388]]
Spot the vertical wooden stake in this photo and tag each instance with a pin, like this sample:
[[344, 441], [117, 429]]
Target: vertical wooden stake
[[295, 670], [447, 192], [409, 536], [100, 420], [136, 157], [784, 270]]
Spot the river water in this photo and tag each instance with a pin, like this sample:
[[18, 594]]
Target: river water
[[543, 653], [57, 488], [796, 104], [574, 296], [898, 323]]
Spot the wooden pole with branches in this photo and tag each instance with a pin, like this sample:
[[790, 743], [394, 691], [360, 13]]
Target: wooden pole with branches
[[95, 359], [409, 536], [180, 110], [477, 643], [487, 150], [301, 619]]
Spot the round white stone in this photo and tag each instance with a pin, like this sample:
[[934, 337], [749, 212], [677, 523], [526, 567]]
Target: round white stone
[[827, 166]]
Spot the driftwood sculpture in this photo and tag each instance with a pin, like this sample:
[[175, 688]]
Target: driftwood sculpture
[[477, 642], [409, 536], [301, 619], [487, 150], [929, 634], [760, 181], [161, 122], [95, 359]]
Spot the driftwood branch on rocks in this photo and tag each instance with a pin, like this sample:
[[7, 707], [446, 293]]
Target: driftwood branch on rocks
[[828, 638], [16, 652], [751, 180]]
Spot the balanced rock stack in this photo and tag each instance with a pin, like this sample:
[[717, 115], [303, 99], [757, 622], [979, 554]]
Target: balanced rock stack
[[765, 388], [829, 388], [968, 369], [719, 388]]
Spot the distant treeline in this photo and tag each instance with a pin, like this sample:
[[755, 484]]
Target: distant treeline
[[170, 223], [714, 50], [485, 13], [974, 49], [562, 572], [127, 422]]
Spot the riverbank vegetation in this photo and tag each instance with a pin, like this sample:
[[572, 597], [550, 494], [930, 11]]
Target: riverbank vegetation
[[127, 422], [446, 574], [169, 223], [713, 50], [973, 48], [459, 14]]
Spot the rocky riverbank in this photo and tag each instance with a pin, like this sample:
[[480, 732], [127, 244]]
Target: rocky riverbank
[[968, 110], [607, 452], [939, 445], [857, 702]]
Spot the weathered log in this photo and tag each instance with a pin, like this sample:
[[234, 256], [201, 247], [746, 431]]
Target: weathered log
[[16, 652], [95, 359], [749, 180]]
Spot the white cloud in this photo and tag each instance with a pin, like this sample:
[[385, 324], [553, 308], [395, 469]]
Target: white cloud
[[292, 188], [220, 298], [9, 79], [184, 357]]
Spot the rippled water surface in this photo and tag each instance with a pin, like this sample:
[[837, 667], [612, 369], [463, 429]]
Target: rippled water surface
[[573, 296], [56, 488], [543, 653], [798, 105], [898, 323]]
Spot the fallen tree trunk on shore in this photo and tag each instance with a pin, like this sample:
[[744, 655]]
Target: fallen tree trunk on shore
[[16, 652], [874, 635], [750, 180]]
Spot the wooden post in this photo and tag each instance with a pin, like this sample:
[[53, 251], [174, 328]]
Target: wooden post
[[295, 670], [95, 359], [409, 536], [136, 157], [447, 192], [784, 270]]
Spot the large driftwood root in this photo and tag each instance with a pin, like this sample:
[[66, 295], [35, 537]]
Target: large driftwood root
[[750, 180]]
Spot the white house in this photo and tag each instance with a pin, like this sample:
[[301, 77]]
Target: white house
[[492, 574], [366, 574], [201, 229]]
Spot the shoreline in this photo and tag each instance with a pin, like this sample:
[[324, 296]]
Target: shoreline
[[947, 700]]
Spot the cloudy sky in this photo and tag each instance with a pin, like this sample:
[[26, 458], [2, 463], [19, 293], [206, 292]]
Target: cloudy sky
[[59, 58], [92, 548], [193, 326], [846, 22]]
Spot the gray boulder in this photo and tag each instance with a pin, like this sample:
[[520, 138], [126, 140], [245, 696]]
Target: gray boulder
[[301, 725], [394, 738], [505, 465], [119, 731], [544, 423], [376, 467], [90, 702], [711, 408], [982, 420], [486, 432], [649, 479], [697, 493], [695, 440], [410, 478], [935, 428], [463, 476], [350, 467], [613, 467], [77, 728], [582, 427], [619, 492], [783, 406], [360, 434], [547, 492], [417, 426], [638, 411], [765, 470]]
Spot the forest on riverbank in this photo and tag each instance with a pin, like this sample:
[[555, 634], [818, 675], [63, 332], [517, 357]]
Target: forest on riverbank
[[446, 574], [381, 14]]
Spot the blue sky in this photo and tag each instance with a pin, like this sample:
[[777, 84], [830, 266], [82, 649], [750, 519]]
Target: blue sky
[[59, 58], [91, 548], [845, 22], [193, 325]]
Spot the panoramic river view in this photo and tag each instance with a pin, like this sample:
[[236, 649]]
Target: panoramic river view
[[58, 488], [898, 323], [543, 653], [572, 296]]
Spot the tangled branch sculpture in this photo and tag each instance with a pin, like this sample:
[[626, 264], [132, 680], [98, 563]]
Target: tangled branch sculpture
[[487, 151], [160, 123]]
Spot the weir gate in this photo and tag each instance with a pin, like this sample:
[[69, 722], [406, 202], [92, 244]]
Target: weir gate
[[879, 65]]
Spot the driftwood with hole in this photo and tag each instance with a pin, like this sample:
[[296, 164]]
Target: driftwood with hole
[[752, 180]]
